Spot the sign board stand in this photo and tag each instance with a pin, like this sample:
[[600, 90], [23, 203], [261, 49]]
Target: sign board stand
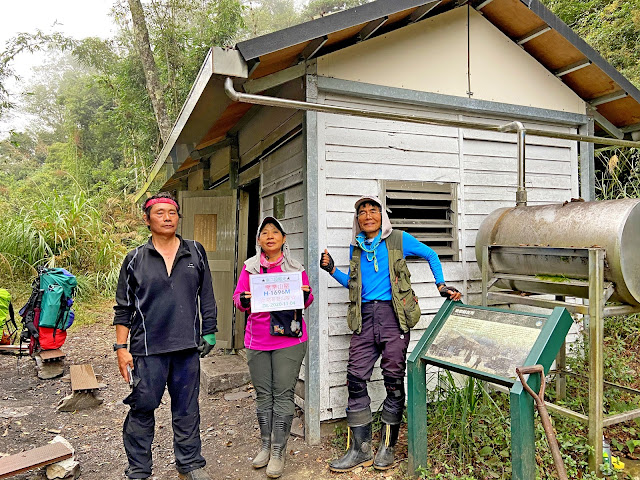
[[589, 284], [449, 342]]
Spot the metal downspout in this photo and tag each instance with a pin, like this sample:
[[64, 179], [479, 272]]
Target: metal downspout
[[521, 192]]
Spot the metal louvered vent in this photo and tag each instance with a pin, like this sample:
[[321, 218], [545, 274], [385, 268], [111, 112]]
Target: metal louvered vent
[[426, 210]]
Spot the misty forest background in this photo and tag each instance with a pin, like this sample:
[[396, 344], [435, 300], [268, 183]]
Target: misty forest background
[[67, 178]]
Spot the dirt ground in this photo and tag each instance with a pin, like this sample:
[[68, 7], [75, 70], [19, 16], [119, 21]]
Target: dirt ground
[[229, 429]]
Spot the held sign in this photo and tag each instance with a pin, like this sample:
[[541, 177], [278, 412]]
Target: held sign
[[271, 292]]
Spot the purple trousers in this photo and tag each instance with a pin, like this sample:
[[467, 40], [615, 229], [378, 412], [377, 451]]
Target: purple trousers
[[380, 335]]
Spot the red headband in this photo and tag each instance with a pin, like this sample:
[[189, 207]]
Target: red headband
[[153, 201]]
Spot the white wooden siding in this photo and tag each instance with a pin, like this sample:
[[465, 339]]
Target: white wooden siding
[[356, 153], [281, 172]]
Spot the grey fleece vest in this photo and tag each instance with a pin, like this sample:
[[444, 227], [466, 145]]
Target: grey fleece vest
[[403, 298]]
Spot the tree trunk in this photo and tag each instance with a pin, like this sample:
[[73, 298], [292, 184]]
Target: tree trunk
[[152, 79]]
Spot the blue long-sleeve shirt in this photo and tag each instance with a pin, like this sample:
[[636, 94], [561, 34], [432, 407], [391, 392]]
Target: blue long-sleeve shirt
[[377, 285]]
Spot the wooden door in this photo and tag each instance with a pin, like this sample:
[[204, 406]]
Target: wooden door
[[209, 217]]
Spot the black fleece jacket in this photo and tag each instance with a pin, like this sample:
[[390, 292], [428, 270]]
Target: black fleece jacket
[[160, 310]]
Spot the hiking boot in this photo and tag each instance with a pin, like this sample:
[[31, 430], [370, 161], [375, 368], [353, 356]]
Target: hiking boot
[[198, 474], [280, 430], [264, 420], [359, 452], [386, 452]]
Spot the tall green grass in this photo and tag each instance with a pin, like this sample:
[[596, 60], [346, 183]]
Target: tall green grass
[[62, 230], [619, 173]]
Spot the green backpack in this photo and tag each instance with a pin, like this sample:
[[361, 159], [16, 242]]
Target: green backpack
[[6, 309], [57, 286]]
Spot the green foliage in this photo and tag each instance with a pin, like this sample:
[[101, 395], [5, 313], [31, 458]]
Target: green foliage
[[65, 182], [181, 33], [315, 8], [612, 27], [62, 230], [266, 16], [618, 174], [22, 43], [339, 439], [468, 431], [469, 435]]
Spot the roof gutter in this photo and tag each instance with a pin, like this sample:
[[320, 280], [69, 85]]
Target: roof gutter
[[516, 126]]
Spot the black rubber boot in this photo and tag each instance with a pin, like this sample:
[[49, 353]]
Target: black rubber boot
[[280, 430], [385, 456], [358, 443], [262, 457]]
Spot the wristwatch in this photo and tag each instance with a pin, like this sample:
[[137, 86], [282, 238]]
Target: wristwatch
[[118, 346]]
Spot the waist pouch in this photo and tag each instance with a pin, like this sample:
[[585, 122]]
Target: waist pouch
[[286, 323]]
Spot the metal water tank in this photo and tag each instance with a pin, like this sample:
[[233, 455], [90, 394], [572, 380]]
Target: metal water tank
[[612, 224]]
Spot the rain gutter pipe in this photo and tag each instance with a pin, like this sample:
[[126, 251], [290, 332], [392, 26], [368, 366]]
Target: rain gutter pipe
[[517, 127], [521, 192]]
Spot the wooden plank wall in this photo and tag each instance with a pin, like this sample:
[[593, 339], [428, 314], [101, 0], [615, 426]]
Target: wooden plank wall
[[356, 153], [282, 173], [281, 170]]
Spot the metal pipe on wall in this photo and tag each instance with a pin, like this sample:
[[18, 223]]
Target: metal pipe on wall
[[516, 126], [521, 192], [319, 107]]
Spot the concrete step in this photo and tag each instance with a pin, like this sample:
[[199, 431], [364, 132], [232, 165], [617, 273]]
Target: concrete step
[[220, 371]]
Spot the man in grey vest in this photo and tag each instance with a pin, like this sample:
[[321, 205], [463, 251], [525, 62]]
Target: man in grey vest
[[382, 309]]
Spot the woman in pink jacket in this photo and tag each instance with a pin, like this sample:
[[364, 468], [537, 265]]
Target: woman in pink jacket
[[276, 345]]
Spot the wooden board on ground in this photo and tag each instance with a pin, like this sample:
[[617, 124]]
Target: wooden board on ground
[[83, 378], [51, 355], [14, 348], [38, 457]]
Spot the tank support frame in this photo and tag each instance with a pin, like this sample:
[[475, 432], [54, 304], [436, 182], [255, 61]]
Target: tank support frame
[[597, 292]]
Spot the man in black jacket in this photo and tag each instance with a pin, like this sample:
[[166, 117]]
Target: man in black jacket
[[163, 290]]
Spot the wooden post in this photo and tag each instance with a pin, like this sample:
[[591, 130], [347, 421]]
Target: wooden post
[[523, 448], [417, 414]]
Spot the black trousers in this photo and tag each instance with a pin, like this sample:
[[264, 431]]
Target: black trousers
[[380, 336], [180, 373]]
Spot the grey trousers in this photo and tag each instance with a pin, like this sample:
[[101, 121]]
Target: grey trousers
[[274, 374]]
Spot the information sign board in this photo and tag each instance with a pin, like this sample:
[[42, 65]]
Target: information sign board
[[489, 341], [486, 343]]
